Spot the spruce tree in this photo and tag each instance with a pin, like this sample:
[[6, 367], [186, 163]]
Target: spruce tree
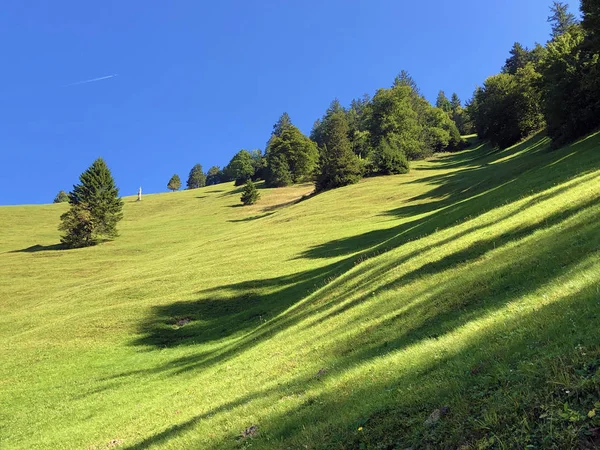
[[250, 194], [389, 160], [174, 183], [561, 19], [196, 178], [443, 103], [61, 197], [95, 208], [339, 166]]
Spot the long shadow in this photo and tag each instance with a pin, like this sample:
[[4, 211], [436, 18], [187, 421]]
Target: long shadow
[[469, 193], [252, 218], [40, 248]]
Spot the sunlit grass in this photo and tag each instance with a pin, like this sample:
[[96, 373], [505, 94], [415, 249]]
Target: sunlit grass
[[341, 320]]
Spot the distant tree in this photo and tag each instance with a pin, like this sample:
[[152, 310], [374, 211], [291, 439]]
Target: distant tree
[[95, 208], [283, 123], [214, 176], [250, 194], [443, 103], [389, 160], [455, 102], [339, 166], [61, 197], [174, 183], [291, 157], [404, 79], [561, 19], [519, 57], [259, 163], [196, 178], [240, 168]]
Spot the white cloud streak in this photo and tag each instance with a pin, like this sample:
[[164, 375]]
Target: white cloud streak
[[93, 80]]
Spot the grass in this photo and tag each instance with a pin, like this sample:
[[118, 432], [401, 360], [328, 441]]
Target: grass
[[340, 321]]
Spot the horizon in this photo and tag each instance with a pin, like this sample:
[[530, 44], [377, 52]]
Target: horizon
[[154, 91]]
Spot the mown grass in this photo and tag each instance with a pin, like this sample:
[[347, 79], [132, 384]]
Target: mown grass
[[340, 321]]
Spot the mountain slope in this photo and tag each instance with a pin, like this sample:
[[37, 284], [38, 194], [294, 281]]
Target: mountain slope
[[469, 286]]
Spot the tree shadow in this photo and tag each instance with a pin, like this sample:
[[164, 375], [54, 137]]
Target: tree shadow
[[252, 218], [41, 248]]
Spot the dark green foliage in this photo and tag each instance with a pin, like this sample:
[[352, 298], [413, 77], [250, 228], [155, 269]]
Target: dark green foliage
[[508, 108], [197, 178], [455, 102], [440, 133], [61, 197], [571, 88], [174, 183], [259, 163], [240, 168], [404, 79], [519, 57], [443, 103], [250, 194], [560, 19], [95, 208], [291, 156], [339, 166], [389, 160], [394, 118], [214, 176], [591, 23]]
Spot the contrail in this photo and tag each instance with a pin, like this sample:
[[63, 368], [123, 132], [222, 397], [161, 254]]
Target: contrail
[[93, 80]]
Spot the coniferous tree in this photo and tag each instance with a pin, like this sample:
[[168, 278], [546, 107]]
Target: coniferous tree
[[250, 194], [214, 176], [455, 102], [591, 22], [405, 79], [174, 183], [95, 208], [61, 197], [291, 157], [561, 19], [196, 178], [443, 103], [339, 166], [519, 57], [389, 160]]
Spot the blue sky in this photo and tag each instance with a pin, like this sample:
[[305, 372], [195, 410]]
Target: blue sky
[[199, 80]]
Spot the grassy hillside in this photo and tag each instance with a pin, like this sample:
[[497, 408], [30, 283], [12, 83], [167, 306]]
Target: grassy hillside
[[470, 286]]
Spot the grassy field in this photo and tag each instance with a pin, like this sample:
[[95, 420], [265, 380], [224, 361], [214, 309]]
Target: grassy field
[[454, 307]]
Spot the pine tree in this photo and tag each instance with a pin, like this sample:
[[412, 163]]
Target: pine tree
[[61, 197], [197, 178], [283, 123], [404, 79], [561, 19], [240, 168], [95, 208], [455, 102], [443, 103], [174, 183], [389, 160], [339, 165], [250, 194], [519, 57]]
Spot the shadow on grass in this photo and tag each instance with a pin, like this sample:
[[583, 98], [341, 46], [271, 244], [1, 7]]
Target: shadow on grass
[[472, 380], [40, 248], [251, 218]]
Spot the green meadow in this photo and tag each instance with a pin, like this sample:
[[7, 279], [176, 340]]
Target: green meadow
[[457, 306]]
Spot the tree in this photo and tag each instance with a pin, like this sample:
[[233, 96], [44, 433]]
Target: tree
[[519, 57], [591, 22], [196, 179], [250, 194], [404, 79], [389, 160], [174, 183], [455, 102], [291, 157], [214, 176], [443, 103], [283, 123], [61, 197], [95, 208], [339, 166], [240, 168], [560, 19], [259, 163]]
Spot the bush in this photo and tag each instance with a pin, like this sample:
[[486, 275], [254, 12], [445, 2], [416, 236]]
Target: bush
[[250, 194], [388, 159]]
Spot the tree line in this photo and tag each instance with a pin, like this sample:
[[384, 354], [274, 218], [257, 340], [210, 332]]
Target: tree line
[[555, 86]]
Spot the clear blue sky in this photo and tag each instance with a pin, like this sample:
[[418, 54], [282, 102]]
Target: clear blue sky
[[199, 80]]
